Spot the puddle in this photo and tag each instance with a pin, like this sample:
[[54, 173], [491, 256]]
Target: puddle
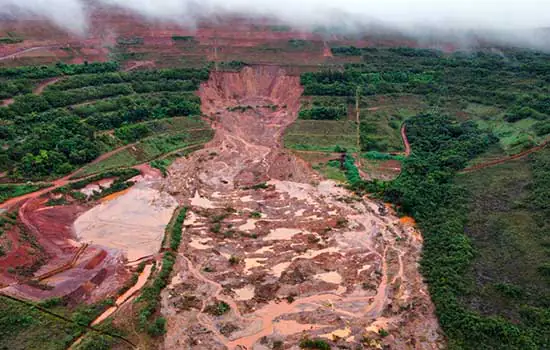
[[330, 277], [267, 249], [310, 254], [202, 202], [250, 225], [281, 234], [245, 199], [252, 263], [296, 190], [142, 279], [245, 293], [339, 333], [278, 269], [114, 195], [134, 222], [197, 243], [190, 219], [289, 327], [91, 188]]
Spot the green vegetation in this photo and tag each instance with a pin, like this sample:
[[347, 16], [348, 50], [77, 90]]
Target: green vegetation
[[259, 186], [324, 113], [234, 260], [317, 344], [232, 66], [121, 175], [23, 326], [321, 135], [184, 38], [130, 41], [149, 300], [218, 309], [504, 93], [255, 215], [506, 222], [8, 40], [299, 43], [280, 28], [8, 191], [331, 170], [60, 135], [176, 230], [374, 155], [426, 189], [162, 165], [150, 149], [12, 38]]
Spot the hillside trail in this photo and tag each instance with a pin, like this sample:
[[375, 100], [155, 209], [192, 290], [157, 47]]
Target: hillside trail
[[505, 159], [405, 140], [27, 50], [286, 251], [39, 89]]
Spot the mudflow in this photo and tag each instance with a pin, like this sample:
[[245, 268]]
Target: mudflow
[[299, 257]]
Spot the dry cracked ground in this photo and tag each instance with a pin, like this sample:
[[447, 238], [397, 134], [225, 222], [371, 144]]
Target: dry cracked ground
[[265, 266]]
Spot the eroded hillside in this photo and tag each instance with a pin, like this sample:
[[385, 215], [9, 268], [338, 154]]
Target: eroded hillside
[[271, 253]]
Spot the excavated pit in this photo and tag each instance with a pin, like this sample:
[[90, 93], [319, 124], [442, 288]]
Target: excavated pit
[[296, 256]]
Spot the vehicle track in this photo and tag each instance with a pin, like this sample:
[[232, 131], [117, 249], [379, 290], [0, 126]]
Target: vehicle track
[[504, 160]]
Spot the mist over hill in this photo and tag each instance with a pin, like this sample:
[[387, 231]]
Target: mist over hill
[[465, 22]]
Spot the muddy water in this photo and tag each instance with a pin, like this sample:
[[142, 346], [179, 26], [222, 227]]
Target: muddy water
[[297, 273], [132, 222], [142, 279]]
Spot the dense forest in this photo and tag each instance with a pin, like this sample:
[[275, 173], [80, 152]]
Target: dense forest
[[513, 84], [51, 134]]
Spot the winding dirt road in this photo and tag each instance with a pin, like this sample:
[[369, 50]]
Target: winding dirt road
[[405, 140]]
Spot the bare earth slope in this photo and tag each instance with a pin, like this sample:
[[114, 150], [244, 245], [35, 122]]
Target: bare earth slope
[[296, 258]]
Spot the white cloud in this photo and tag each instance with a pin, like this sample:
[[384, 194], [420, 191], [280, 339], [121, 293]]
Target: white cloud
[[499, 18]]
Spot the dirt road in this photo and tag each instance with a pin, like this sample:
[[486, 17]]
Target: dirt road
[[294, 256], [504, 160], [31, 49], [405, 140]]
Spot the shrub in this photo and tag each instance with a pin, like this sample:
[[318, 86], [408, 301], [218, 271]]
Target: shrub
[[317, 344], [255, 214], [234, 260], [218, 309], [157, 328]]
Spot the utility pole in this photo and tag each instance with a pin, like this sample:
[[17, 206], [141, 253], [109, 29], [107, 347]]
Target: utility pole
[[358, 123]]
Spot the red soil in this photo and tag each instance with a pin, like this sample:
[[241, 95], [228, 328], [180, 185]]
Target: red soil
[[96, 260], [53, 224], [405, 140], [506, 159]]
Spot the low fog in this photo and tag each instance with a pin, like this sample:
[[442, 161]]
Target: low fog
[[507, 21]]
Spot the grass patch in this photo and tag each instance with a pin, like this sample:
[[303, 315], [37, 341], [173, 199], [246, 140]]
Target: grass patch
[[162, 165], [508, 228], [149, 149], [8, 191], [331, 170], [25, 327], [317, 344]]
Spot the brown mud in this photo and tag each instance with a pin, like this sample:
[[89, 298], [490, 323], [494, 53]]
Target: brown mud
[[291, 254], [77, 250]]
